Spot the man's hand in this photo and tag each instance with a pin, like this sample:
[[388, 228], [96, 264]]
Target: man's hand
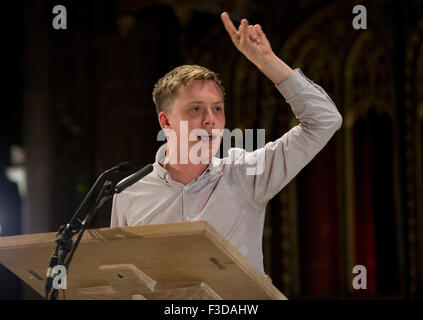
[[252, 42], [248, 39]]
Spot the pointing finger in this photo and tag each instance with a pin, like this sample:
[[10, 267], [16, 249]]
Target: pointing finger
[[229, 26]]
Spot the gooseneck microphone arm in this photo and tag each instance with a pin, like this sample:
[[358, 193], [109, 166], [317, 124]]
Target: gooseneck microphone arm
[[121, 167], [65, 245], [66, 232]]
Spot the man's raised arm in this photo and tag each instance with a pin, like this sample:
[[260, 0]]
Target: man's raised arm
[[281, 160]]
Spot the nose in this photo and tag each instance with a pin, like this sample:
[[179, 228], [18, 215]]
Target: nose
[[209, 118]]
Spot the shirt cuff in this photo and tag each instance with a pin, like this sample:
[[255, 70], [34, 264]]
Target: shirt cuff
[[294, 85]]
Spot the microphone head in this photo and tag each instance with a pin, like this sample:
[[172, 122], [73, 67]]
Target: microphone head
[[124, 166]]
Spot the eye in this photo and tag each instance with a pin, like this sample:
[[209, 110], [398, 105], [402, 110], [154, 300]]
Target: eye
[[195, 108], [218, 109]]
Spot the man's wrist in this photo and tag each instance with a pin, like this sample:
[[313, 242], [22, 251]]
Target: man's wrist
[[274, 68]]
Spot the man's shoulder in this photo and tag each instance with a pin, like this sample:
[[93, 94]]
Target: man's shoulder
[[139, 186]]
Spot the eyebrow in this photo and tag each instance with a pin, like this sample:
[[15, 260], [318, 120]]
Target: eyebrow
[[202, 102]]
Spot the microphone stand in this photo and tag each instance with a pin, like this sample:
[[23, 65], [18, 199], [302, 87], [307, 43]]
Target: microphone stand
[[66, 232], [108, 189], [65, 245]]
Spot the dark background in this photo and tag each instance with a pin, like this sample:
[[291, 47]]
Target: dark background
[[78, 101]]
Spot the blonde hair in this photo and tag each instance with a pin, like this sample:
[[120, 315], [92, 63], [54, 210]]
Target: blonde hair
[[166, 89]]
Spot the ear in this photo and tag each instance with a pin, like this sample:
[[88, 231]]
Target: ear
[[164, 120]]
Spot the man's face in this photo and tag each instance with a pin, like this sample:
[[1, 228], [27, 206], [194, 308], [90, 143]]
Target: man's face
[[197, 117]]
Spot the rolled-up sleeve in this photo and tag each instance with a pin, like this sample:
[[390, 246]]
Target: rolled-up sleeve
[[270, 168]]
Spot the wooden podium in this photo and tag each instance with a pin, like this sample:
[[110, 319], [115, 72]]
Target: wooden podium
[[189, 261]]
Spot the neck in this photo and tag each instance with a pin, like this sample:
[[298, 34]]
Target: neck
[[184, 173]]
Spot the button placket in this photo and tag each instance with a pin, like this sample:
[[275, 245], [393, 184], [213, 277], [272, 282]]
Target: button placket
[[186, 198]]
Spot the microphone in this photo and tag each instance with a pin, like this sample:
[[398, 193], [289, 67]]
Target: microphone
[[134, 178], [123, 166]]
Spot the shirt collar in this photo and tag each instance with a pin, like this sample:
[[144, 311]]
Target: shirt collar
[[213, 168]]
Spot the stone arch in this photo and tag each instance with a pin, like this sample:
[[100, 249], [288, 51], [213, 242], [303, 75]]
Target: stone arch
[[317, 46], [414, 153], [370, 107]]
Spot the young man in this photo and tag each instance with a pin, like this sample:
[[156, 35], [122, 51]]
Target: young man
[[189, 184]]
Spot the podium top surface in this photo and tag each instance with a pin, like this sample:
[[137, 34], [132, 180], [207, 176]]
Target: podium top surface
[[186, 252]]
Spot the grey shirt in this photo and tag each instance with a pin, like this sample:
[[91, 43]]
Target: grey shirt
[[226, 195]]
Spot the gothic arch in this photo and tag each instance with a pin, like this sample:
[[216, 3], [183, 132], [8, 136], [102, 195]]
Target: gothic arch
[[414, 153], [370, 103], [317, 46]]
